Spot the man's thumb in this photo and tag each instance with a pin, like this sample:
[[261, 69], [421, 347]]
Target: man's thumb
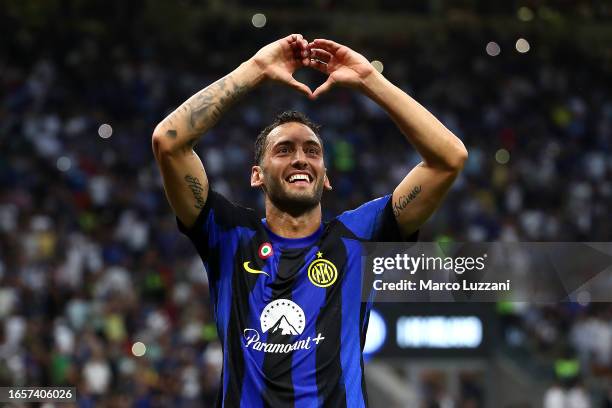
[[324, 87], [300, 87]]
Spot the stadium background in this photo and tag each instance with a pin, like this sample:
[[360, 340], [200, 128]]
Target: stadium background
[[91, 260]]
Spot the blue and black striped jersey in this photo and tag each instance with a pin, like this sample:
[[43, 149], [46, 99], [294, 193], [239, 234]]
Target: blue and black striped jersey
[[289, 311]]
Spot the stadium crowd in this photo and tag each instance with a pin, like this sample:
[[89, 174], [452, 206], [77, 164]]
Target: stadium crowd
[[91, 261]]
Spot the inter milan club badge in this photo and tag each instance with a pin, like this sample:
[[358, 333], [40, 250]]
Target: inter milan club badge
[[321, 272], [265, 250]]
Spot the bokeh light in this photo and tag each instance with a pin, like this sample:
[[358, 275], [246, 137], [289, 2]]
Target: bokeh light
[[259, 20], [139, 349], [493, 49], [583, 298], [522, 45], [378, 66], [525, 14], [502, 156], [63, 163], [105, 131]]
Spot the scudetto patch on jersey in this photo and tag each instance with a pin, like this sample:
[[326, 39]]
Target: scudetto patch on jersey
[[265, 250], [321, 272]]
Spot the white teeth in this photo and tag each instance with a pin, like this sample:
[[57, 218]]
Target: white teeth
[[296, 177]]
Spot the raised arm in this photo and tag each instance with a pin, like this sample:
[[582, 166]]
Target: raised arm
[[443, 154], [174, 138]]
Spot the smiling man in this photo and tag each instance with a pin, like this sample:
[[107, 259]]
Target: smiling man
[[286, 289]]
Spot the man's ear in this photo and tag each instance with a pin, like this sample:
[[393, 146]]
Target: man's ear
[[326, 183], [257, 176]]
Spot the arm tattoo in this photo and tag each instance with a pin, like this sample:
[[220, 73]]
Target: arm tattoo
[[180, 111], [207, 106], [200, 112], [197, 189], [404, 200]]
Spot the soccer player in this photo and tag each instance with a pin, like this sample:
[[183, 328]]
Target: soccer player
[[286, 289]]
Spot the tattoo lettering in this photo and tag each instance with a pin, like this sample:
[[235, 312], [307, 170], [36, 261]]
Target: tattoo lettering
[[197, 189], [404, 200], [208, 105]]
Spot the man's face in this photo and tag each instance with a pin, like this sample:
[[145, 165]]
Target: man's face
[[292, 172]]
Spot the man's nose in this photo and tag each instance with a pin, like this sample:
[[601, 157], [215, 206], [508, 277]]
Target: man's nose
[[299, 159]]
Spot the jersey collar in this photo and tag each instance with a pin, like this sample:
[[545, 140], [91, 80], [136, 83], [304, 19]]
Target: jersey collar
[[293, 242]]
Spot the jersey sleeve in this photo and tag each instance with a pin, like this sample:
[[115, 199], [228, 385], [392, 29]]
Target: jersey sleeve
[[375, 221], [215, 223]]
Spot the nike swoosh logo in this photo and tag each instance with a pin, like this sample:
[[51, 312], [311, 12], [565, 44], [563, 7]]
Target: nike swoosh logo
[[251, 270]]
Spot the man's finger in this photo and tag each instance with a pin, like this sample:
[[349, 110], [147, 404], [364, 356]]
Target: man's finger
[[324, 87], [321, 55], [304, 58], [318, 65], [296, 46], [300, 47], [296, 42], [297, 54], [294, 37], [327, 45]]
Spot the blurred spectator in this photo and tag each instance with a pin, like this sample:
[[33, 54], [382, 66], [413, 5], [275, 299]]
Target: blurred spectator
[[558, 397]]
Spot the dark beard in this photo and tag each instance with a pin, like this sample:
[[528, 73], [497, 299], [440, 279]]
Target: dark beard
[[293, 205]]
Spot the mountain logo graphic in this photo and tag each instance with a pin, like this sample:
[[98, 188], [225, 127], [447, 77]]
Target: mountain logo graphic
[[284, 317], [284, 326]]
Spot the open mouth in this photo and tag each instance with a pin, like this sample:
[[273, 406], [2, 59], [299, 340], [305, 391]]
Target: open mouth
[[300, 178]]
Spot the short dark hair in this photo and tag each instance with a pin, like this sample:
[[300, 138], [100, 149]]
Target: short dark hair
[[282, 118]]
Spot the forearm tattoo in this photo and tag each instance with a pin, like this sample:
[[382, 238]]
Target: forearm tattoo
[[208, 106], [205, 108], [404, 200], [197, 189]]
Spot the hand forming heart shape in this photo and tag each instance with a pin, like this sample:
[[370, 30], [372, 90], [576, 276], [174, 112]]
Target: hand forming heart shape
[[280, 59]]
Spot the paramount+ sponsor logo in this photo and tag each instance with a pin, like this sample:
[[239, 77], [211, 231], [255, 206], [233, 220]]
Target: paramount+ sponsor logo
[[285, 319]]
